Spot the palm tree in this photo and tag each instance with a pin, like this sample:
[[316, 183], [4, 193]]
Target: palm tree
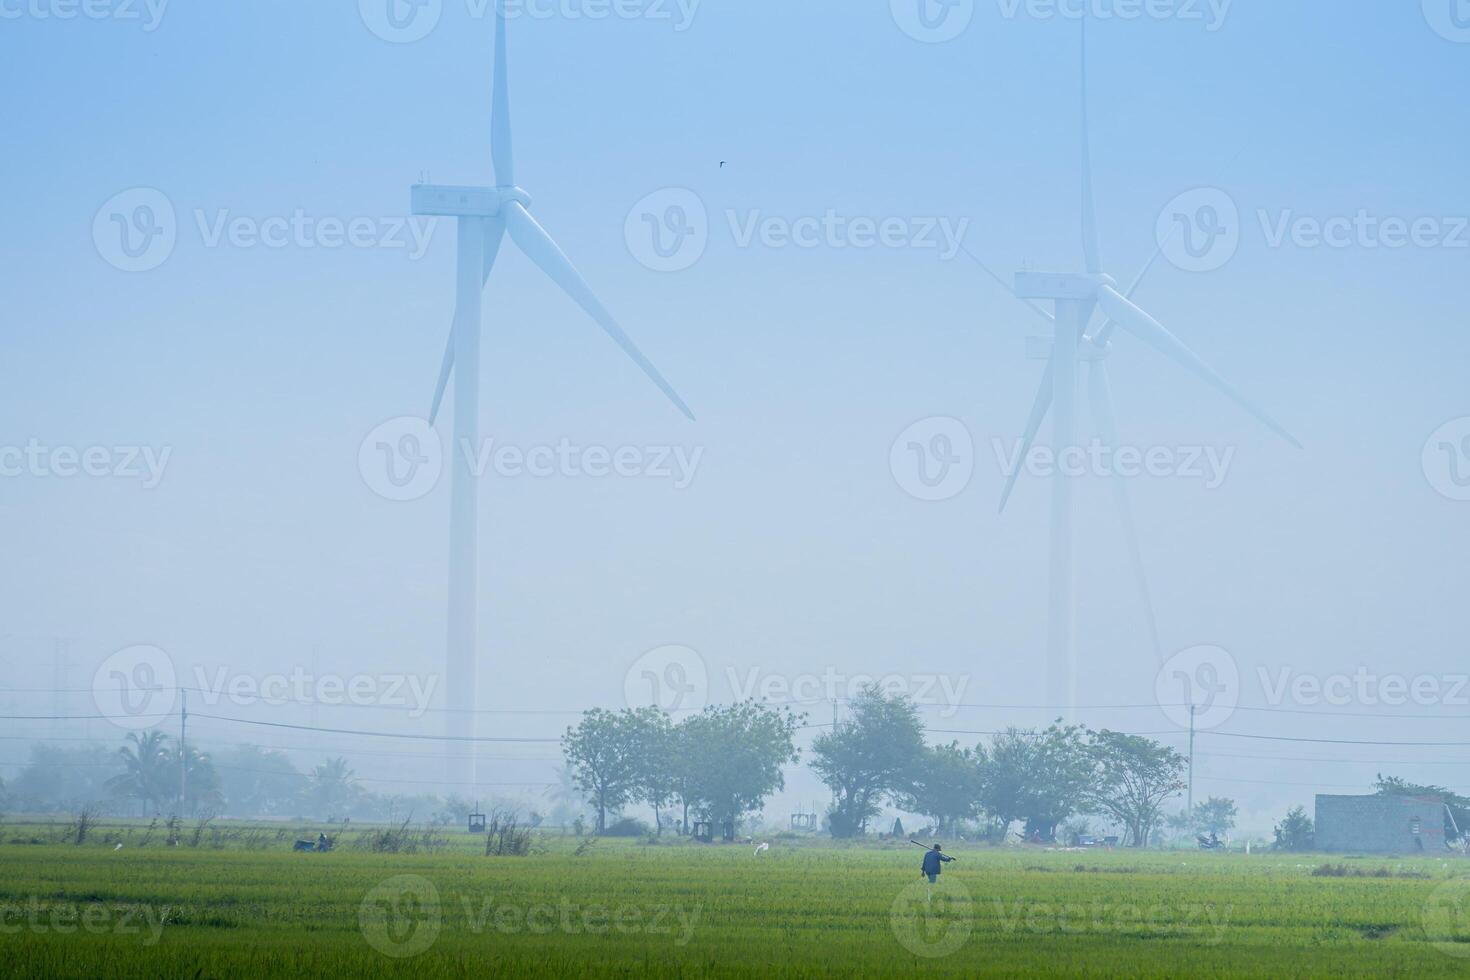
[[150, 775], [332, 784]]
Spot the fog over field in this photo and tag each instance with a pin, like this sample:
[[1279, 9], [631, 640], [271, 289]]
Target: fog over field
[[222, 327]]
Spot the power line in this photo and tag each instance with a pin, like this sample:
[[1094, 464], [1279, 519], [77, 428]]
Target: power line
[[373, 734]]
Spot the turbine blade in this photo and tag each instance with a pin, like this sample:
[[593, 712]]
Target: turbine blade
[[444, 371], [494, 235], [1089, 205], [1106, 333], [1151, 332], [1100, 388], [1039, 408], [548, 256], [501, 150]]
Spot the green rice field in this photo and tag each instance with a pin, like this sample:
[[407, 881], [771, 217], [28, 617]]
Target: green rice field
[[804, 908]]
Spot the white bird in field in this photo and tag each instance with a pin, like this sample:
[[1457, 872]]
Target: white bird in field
[[118, 847], [764, 846]]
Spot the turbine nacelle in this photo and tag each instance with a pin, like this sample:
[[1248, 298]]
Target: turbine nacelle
[[1075, 286], [438, 200]]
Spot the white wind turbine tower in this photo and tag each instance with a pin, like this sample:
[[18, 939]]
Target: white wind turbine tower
[[1076, 298], [485, 215]]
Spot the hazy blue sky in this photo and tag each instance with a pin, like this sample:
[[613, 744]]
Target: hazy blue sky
[[795, 550]]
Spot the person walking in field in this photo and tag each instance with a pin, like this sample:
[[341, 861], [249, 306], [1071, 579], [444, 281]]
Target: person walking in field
[[934, 861]]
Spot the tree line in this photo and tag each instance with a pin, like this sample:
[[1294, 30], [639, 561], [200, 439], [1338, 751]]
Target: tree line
[[723, 763], [143, 778]]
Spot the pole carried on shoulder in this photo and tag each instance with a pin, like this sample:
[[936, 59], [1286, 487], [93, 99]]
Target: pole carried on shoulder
[[927, 848]]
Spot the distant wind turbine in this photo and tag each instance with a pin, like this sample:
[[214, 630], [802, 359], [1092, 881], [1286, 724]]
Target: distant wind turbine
[[485, 215], [1076, 298]]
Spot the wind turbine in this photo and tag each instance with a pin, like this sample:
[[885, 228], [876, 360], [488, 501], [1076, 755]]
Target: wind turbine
[[485, 215], [1076, 298]]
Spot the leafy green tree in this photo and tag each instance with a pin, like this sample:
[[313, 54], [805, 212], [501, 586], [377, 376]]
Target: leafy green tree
[[1295, 832], [946, 786], [1134, 778], [202, 784], [59, 778], [655, 749], [258, 782], [870, 756], [1215, 815], [150, 773], [603, 753], [737, 752], [1457, 817], [1039, 777]]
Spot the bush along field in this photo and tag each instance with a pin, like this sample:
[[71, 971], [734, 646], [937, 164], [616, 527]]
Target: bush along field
[[439, 906]]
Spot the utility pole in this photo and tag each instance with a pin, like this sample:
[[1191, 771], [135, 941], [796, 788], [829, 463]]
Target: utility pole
[[1190, 811], [183, 750]]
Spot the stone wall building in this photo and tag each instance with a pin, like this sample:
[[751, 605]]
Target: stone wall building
[[1380, 824]]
